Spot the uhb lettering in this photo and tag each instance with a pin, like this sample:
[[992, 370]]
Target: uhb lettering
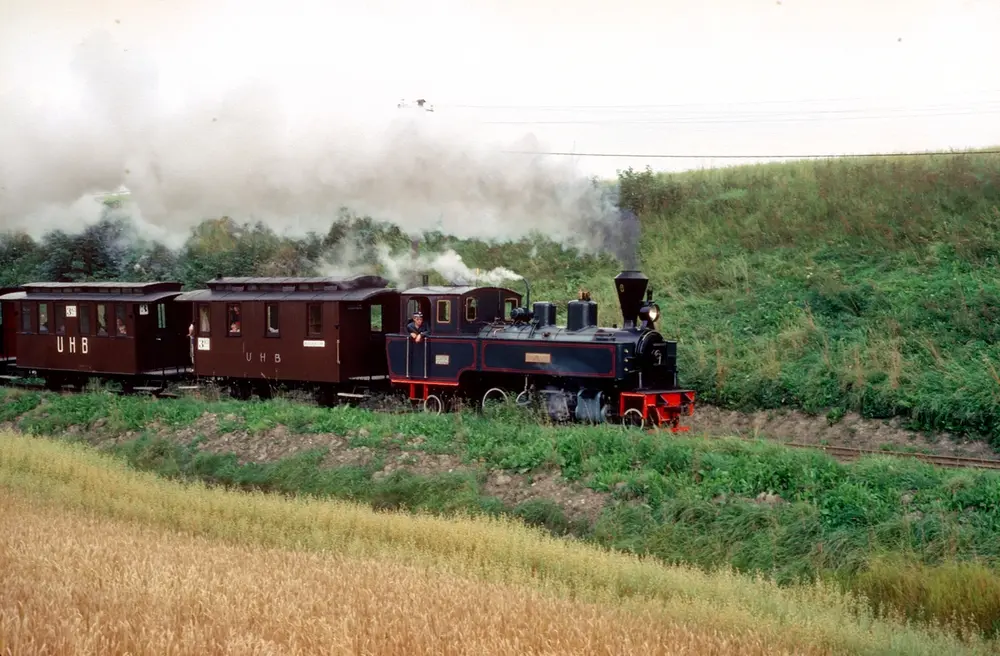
[[262, 357], [61, 345]]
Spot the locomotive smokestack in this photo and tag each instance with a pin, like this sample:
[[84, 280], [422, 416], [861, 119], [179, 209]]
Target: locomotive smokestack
[[630, 286]]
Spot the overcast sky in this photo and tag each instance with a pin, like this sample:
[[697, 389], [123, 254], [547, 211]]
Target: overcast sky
[[699, 77]]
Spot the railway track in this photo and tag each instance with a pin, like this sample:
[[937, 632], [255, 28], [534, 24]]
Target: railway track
[[852, 453]]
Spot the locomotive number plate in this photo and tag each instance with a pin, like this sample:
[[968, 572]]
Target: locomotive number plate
[[538, 358], [442, 359]]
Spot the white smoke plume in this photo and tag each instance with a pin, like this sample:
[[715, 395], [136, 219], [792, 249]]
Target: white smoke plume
[[404, 269], [448, 264], [241, 155]]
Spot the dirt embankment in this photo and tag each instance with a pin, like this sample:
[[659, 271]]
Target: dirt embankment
[[397, 453]]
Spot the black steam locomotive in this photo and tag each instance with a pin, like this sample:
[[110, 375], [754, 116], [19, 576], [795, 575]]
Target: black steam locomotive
[[494, 348]]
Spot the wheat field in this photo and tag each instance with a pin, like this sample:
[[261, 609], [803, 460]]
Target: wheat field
[[76, 584], [97, 558]]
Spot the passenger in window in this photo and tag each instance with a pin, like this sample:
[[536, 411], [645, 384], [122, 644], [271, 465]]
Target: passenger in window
[[121, 327], [416, 327]]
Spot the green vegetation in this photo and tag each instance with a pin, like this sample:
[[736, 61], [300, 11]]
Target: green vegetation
[[883, 526]]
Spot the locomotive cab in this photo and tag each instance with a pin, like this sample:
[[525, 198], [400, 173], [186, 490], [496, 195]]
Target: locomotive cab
[[455, 316], [458, 309]]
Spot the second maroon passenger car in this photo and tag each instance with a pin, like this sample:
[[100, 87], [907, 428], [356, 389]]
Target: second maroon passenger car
[[327, 334]]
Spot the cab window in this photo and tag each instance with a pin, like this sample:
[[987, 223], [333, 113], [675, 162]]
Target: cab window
[[444, 311]]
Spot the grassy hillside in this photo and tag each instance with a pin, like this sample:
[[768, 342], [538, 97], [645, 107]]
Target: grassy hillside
[[835, 285], [60, 505]]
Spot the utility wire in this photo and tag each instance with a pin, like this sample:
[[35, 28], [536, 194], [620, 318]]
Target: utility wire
[[791, 156], [691, 105], [838, 115]]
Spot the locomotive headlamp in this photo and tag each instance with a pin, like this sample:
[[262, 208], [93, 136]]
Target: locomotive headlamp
[[649, 312]]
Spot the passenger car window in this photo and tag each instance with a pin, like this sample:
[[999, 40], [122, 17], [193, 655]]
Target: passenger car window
[[234, 319], [120, 320], [84, 316], [60, 318], [102, 320], [43, 317], [315, 320], [204, 323], [271, 317]]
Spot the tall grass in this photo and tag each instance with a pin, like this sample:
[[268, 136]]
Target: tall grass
[[70, 478]]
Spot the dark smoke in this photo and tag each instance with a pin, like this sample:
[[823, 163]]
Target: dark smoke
[[620, 236], [627, 247]]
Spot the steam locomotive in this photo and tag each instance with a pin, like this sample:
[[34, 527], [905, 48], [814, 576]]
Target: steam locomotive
[[347, 339], [578, 371]]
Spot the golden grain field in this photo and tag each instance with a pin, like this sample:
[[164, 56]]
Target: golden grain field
[[96, 558], [82, 585]]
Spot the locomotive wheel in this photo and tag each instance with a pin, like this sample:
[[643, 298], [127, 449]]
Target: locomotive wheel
[[433, 404], [632, 418], [495, 392], [524, 399]]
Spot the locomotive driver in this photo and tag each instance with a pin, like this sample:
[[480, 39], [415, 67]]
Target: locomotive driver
[[416, 327]]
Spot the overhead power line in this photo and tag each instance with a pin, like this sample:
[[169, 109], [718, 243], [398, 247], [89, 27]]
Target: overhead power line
[[819, 115], [689, 105], [789, 156]]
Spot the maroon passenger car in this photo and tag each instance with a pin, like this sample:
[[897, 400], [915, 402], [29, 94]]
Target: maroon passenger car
[[327, 334], [131, 331]]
